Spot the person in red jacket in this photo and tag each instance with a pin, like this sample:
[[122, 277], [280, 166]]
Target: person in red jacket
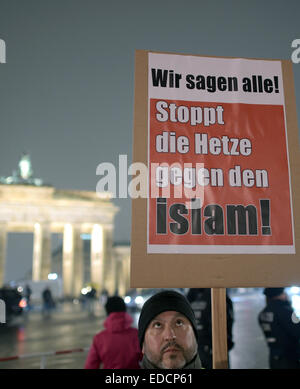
[[117, 346]]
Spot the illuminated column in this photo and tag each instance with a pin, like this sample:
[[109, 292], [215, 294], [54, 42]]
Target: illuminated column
[[72, 260], [121, 282], [124, 278], [41, 266], [2, 252], [126, 273], [109, 261], [78, 262], [97, 276], [122, 263]]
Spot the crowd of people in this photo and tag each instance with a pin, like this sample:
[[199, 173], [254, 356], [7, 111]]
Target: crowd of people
[[48, 302], [175, 332]]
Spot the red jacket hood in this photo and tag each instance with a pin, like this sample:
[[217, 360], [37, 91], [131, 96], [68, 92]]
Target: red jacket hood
[[118, 321]]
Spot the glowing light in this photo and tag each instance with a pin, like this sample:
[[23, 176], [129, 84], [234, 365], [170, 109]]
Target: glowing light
[[139, 300], [20, 289], [127, 299], [296, 304], [86, 290], [23, 303], [25, 167], [52, 276], [295, 289]]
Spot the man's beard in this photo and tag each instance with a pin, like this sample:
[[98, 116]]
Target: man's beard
[[172, 344]]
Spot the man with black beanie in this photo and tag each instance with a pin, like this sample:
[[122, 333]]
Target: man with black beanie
[[167, 333], [281, 328]]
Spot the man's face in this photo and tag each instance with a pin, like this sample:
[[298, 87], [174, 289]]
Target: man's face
[[170, 341]]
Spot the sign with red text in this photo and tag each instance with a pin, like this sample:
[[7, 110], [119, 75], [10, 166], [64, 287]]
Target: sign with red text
[[219, 139], [217, 157]]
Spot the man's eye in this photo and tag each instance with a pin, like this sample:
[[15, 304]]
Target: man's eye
[[179, 322], [157, 325]]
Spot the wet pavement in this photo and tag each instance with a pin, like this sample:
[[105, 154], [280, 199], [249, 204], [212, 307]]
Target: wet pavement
[[71, 327], [68, 327]]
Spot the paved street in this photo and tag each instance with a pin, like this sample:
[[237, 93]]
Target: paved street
[[70, 327]]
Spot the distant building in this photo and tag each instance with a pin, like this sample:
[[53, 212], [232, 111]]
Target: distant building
[[29, 205], [120, 253]]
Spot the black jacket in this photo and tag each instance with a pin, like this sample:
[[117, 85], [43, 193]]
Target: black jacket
[[200, 299], [281, 328]]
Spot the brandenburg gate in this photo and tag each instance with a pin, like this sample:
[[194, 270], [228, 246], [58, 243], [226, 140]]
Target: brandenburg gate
[[26, 205]]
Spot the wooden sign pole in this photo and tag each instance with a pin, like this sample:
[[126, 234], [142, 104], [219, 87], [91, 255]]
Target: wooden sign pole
[[219, 328]]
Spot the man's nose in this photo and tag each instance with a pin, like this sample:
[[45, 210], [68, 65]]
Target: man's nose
[[169, 332]]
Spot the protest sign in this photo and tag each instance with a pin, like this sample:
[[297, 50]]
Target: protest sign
[[220, 139]]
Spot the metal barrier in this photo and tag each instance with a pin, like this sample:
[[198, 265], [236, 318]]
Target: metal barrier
[[44, 355]]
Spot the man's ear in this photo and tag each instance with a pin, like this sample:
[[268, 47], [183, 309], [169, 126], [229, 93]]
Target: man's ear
[[143, 349]]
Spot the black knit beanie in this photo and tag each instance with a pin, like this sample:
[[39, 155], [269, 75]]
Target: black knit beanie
[[273, 292], [167, 300], [115, 304]]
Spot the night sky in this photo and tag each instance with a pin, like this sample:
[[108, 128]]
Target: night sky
[[67, 89]]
